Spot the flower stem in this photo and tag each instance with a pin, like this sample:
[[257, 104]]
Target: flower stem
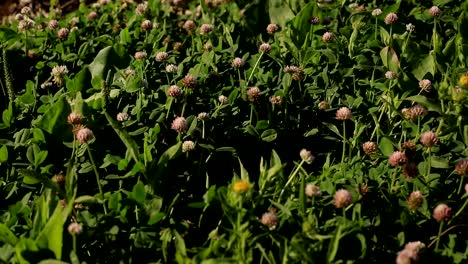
[[291, 178], [438, 235], [255, 67], [97, 176], [344, 147]]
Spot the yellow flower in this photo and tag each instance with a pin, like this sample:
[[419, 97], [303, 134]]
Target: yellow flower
[[241, 186], [464, 80]]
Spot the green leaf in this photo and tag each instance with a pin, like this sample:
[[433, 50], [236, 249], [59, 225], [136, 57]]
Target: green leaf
[[55, 117], [311, 132], [138, 193], [25, 244], [424, 66], [8, 115], [6, 236], [439, 163], [128, 141], [51, 236], [386, 146], [390, 59], [280, 12], [421, 99], [269, 135], [3, 154]]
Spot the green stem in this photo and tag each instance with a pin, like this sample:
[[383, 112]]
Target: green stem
[[438, 235], [97, 176], [344, 148], [74, 243], [460, 186], [428, 164], [255, 67], [291, 178], [460, 210], [393, 179]]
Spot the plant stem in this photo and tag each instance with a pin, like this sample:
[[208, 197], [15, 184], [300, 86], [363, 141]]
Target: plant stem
[[97, 176], [255, 67], [344, 147], [428, 164], [460, 186], [438, 235], [291, 178]]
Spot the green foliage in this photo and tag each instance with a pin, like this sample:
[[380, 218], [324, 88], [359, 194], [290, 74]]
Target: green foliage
[[138, 137]]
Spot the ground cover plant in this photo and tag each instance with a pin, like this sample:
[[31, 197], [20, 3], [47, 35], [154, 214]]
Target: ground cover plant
[[235, 132]]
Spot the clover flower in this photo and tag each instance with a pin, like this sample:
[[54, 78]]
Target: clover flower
[[75, 229], [161, 56], [342, 198], [179, 125], [344, 113], [237, 63], [122, 116], [83, 135], [442, 212], [376, 12], [172, 68], [397, 158], [174, 91], [429, 139], [391, 19], [327, 37], [369, 147], [415, 200], [312, 190], [265, 48], [188, 146], [306, 156], [58, 72], [272, 28], [63, 33], [253, 94], [189, 81], [434, 11]]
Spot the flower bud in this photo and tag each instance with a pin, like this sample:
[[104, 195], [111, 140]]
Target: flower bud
[[306, 156], [179, 124], [344, 113], [342, 198], [461, 168], [272, 28], [265, 48], [391, 19], [327, 37], [241, 186], [237, 63], [369, 147], [397, 158], [161, 56], [188, 146], [223, 99], [429, 139], [442, 212], [415, 200], [63, 33], [376, 12], [122, 116], [434, 11], [75, 229], [84, 135], [253, 94], [189, 81], [270, 219], [312, 190]]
